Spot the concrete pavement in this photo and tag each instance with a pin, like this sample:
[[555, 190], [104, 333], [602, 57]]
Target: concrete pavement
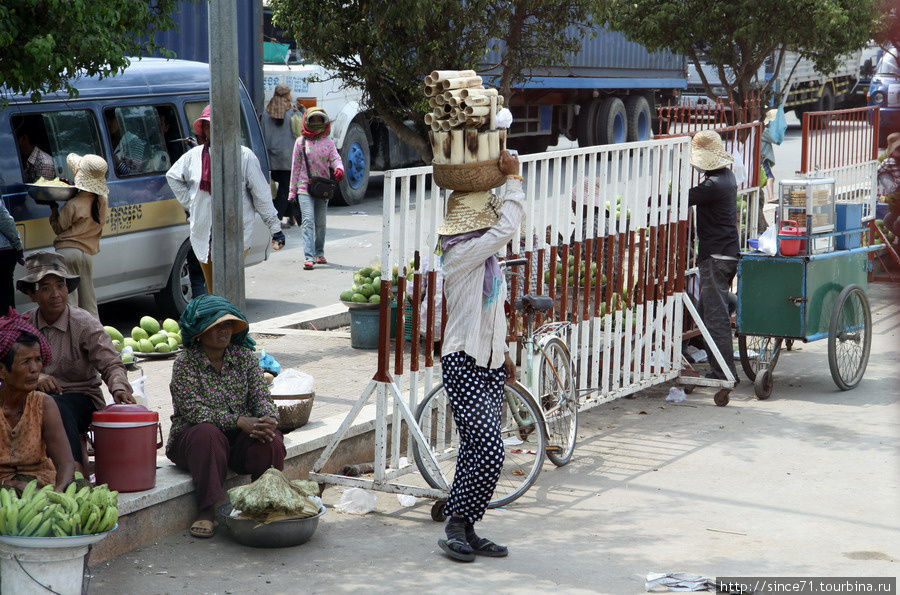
[[807, 483]]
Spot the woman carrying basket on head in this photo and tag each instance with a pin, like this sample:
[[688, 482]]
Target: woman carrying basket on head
[[475, 362], [315, 156]]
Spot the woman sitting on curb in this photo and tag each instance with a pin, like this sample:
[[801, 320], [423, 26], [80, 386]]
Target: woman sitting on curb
[[224, 416]]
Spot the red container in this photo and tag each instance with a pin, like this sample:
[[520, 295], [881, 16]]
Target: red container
[[125, 445], [791, 247]]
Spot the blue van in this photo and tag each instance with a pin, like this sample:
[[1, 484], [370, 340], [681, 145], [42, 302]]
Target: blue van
[[140, 122]]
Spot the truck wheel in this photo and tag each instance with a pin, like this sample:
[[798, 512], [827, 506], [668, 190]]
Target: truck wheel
[[584, 126], [610, 125], [637, 109], [826, 101], [174, 297], [355, 155]]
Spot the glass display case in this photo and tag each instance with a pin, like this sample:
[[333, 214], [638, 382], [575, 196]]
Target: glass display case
[[805, 210]]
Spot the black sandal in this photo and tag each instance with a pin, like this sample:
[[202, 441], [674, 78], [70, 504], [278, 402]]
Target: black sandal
[[457, 549], [456, 545], [485, 547]]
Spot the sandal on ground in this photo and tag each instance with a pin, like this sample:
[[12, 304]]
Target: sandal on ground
[[482, 546], [309, 265], [203, 528], [321, 260], [457, 549]]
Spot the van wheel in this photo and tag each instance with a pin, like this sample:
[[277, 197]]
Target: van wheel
[[173, 299], [637, 109], [355, 155]]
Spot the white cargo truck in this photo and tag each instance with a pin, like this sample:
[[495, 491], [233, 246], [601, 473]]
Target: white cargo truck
[[807, 89], [364, 142]]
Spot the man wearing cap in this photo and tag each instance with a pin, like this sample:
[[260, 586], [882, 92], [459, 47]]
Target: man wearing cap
[[83, 354], [190, 179], [716, 200]]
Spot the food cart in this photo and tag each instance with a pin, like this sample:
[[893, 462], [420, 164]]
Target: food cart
[[813, 287]]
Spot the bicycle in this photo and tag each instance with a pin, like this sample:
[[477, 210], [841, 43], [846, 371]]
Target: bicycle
[[531, 427]]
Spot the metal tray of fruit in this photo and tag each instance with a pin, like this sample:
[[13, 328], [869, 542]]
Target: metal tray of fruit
[[42, 193], [55, 542], [138, 355]]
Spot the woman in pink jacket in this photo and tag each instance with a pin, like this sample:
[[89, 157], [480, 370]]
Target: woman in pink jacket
[[322, 156]]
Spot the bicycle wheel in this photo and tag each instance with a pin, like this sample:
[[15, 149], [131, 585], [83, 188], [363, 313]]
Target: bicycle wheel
[[767, 349], [524, 442], [556, 396], [849, 337]]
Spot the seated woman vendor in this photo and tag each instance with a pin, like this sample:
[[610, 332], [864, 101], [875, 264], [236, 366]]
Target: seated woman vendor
[[224, 416], [32, 439]]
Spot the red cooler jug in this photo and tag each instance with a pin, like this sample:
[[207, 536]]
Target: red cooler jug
[[125, 444], [791, 247]]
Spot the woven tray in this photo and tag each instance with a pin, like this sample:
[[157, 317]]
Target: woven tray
[[469, 177]]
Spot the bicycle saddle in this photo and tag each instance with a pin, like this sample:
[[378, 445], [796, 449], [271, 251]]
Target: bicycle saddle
[[537, 303]]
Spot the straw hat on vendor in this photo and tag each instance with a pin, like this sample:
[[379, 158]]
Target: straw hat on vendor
[[470, 211], [708, 151]]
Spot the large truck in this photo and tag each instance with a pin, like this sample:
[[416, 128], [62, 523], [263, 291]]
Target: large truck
[[807, 89], [604, 93]]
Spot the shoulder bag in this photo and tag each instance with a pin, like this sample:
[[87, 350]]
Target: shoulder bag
[[319, 187]]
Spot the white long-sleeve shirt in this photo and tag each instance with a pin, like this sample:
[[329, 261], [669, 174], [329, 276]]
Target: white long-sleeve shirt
[[184, 180], [472, 327]]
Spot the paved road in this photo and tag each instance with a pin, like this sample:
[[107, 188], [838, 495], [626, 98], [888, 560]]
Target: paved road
[[805, 484]]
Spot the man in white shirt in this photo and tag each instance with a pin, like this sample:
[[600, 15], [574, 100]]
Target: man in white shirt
[[189, 179]]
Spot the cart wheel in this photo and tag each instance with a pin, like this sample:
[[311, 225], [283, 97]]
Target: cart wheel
[[688, 388], [763, 384], [849, 337], [437, 511], [767, 351], [721, 397]]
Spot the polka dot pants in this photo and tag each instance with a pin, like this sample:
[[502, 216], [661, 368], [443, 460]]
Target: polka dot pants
[[476, 394]]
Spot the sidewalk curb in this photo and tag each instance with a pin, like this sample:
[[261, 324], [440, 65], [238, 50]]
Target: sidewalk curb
[[169, 507], [314, 319]]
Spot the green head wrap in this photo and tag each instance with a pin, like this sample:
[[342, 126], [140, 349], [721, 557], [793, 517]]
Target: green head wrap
[[202, 312]]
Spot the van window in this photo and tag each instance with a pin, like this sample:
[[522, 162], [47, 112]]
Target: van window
[[193, 109], [44, 141], [140, 137]]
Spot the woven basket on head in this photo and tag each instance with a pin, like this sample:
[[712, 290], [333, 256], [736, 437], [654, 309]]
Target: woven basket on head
[[469, 177], [291, 417]]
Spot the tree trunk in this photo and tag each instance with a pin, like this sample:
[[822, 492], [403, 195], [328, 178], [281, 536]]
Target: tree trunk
[[406, 134], [512, 42]]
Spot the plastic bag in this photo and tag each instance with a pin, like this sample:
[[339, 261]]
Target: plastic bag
[[269, 364], [768, 241], [676, 395], [778, 126], [138, 392], [356, 501], [292, 382]]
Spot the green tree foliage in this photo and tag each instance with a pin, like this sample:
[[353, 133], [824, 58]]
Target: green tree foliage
[[44, 43], [737, 36], [386, 47]]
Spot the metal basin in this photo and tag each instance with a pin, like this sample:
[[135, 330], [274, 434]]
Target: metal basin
[[47, 194], [276, 534]]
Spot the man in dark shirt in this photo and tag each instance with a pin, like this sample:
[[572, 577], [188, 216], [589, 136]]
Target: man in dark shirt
[[715, 198]]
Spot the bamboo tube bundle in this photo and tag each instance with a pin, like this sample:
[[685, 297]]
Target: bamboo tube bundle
[[461, 83], [464, 93], [431, 90], [457, 142], [470, 150], [440, 75], [479, 110], [493, 138], [484, 147]]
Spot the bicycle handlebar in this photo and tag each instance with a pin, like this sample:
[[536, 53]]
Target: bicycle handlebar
[[514, 262]]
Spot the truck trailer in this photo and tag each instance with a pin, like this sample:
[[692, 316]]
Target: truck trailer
[[604, 93]]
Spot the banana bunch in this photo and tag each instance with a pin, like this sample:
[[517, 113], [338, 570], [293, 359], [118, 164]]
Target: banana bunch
[[46, 513]]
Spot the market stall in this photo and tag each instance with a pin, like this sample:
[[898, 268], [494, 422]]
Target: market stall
[[812, 287]]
